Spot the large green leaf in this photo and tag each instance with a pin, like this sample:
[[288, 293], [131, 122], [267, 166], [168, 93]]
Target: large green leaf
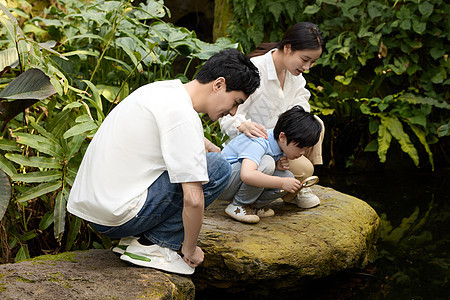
[[41, 144], [44, 176], [80, 129], [420, 133], [8, 58], [60, 213], [7, 166], [396, 129], [34, 161], [5, 193], [32, 84], [384, 141], [39, 190]]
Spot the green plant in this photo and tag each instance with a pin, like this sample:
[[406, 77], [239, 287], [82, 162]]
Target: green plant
[[102, 51], [391, 56]]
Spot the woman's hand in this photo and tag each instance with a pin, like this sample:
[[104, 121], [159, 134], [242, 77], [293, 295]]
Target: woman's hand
[[253, 130], [282, 164]]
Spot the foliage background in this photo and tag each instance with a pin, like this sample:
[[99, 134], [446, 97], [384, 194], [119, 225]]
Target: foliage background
[[383, 76]]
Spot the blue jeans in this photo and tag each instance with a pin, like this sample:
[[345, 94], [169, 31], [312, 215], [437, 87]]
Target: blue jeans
[[160, 219]]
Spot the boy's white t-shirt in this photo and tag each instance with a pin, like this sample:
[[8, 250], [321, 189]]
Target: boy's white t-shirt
[[153, 130]]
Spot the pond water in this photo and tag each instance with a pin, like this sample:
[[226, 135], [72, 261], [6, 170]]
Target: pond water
[[413, 250]]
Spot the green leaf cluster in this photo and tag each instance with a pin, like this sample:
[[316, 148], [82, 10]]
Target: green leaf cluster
[[384, 71]]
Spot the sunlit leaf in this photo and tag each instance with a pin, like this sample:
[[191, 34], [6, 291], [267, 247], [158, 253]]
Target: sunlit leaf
[[40, 143], [384, 141], [396, 129], [40, 176]]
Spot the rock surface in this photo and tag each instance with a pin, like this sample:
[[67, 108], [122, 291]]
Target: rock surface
[[93, 274], [288, 249], [281, 252]]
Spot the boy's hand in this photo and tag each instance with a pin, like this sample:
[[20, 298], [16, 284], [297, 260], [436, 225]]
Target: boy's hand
[[290, 184], [210, 147], [193, 258], [283, 164], [253, 130]]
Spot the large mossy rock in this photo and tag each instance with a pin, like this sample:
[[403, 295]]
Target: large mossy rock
[[93, 274], [290, 248]]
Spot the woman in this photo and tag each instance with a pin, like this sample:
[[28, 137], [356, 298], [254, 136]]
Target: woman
[[282, 86]]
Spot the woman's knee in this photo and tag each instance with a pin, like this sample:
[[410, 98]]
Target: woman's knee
[[301, 168]]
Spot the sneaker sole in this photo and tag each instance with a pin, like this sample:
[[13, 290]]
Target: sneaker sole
[[243, 219], [148, 263]]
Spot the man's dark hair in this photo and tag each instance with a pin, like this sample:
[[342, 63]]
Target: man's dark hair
[[299, 126], [239, 72]]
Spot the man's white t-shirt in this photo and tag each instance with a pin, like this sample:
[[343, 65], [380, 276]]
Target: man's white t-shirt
[[155, 129], [269, 100]]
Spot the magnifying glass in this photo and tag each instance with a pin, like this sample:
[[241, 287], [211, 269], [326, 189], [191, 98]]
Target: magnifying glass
[[310, 181]]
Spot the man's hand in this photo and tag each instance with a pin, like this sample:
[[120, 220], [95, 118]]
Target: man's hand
[[210, 147], [283, 164], [253, 130], [193, 258], [290, 184]]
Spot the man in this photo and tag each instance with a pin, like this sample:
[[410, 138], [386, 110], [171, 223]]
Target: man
[[145, 176]]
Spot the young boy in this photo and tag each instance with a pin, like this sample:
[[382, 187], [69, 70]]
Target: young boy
[[146, 172], [260, 166]]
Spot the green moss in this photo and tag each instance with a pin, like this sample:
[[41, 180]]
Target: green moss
[[66, 256], [20, 278], [2, 287]]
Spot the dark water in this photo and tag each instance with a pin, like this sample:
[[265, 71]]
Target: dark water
[[413, 251]]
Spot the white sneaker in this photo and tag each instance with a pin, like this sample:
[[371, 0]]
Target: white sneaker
[[264, 212], [245, 214], [123, 244], [156, 257], [306, 199]]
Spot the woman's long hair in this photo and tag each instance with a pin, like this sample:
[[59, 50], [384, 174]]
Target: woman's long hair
[[304, 35]]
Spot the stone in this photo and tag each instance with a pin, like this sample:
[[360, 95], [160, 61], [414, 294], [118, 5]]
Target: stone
[[93, 274], [290, 248]]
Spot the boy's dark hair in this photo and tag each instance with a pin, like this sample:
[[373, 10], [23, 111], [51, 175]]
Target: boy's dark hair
[[299, 126], [239, 72]]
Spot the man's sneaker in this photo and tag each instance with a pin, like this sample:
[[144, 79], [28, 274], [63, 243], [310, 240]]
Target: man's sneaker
[[306, 199], [156, 257], [264, 212], [245, 214], [123, 244]]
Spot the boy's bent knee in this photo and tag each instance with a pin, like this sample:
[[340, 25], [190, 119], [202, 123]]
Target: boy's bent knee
[[267, 165]]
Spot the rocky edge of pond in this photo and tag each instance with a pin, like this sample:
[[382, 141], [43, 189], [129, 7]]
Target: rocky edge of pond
[[281, 252]]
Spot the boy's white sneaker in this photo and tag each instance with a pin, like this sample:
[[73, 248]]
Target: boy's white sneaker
[[244, 214], [156, 257], [306, 199], [123, 244], [264, 212]]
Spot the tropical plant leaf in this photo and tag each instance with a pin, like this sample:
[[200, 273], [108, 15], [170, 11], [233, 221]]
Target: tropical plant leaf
[[41, 144], [41, 176], [34, 161], [75, 225], [9, 145], [74, 145], [7, 166], [22, 254], [384, 141], [32, 84], [39, 190], [60, 213], [9, 58], [80, 129], [46, 220], [5, 193], [396, 129], [421, 134]]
